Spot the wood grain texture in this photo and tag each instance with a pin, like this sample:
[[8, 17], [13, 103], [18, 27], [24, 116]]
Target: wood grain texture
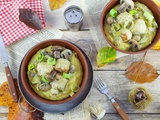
[[131, 117], [119, 85], [119, 88]]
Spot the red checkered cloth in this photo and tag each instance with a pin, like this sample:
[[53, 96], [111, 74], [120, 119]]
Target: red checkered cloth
[[11, 28]]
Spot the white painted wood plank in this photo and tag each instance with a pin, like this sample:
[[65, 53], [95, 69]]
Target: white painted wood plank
[[131, 117], [119, 88]]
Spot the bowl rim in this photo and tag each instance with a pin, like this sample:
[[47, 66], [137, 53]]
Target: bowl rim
[[113, 3], [43, 44]]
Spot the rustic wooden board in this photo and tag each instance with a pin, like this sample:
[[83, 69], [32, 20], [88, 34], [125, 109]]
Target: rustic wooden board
[[119, 87], [131, 117], [116, 117]]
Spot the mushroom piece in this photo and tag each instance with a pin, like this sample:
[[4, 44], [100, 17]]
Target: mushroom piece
[[44, 52], [51, 76], [110, 20], [72, 69], [125, 5], [134, 45], [66, 54], [57, 48], [57, 54], [44, 86]]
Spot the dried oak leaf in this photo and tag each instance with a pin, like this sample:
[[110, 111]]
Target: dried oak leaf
[[30, 18], [15, 113], [141, 72]]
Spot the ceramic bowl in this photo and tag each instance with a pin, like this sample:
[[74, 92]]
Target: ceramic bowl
[[60, 105], [151, 5]]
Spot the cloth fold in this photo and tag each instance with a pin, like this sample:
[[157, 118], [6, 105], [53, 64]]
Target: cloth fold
[[11, 28]]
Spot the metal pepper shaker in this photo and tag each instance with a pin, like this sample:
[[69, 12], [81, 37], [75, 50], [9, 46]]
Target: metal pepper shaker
[[73, 16]]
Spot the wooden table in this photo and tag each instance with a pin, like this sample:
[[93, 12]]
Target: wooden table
[[119, 85], [113, 75]]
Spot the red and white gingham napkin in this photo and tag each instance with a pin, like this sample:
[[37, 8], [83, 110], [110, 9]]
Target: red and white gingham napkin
[[11, 28]]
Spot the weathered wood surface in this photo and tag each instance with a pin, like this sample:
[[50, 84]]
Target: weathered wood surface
[[119, 85], [131, 117], [115, 117]]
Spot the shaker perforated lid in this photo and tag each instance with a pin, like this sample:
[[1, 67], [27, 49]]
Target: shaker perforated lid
[[73, 14]]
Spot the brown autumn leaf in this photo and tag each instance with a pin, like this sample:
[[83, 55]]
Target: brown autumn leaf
[[15, 113], [141, 72], [30, 18]]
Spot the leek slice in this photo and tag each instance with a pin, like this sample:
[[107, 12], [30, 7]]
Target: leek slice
[[148, 16], [44, 79], [51, 61]]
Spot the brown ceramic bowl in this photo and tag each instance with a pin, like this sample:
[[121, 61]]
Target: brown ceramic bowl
[[150, 4], [61, 105]]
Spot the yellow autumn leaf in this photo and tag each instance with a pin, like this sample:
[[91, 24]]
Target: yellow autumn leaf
[[157, 2], [55, 4], [157, 46], [105, 55]]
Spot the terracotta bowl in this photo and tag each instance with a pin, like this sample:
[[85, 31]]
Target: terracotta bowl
[[27, 91], [151, 5]]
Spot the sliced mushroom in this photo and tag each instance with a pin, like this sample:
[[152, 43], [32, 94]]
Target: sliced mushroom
[[55, 51], [66, 54], [57, 54], [57, 48], [121, 2], [51, 76], [44, 52], [110, 20], [72, 69], [44, 86], [123, 8], [125, 5], [134, 45]]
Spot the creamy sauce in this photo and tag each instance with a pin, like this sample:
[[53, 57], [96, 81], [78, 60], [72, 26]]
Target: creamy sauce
[[138, 28], [58, 87]]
